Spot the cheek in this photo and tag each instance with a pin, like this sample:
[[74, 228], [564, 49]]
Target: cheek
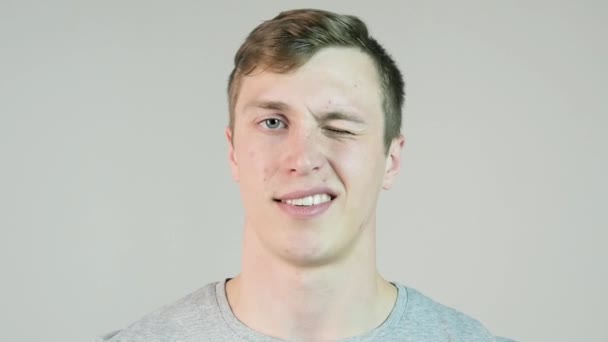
[[255, 165], [353, 158], [359, 167]]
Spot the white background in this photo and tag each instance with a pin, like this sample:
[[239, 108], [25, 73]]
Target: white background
[[116, 196]]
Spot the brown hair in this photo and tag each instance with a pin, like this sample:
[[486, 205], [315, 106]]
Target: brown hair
[[290, 39]]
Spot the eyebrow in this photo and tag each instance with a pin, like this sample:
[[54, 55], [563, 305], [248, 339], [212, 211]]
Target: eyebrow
[[325, 117], [337, 115], [273, 105]]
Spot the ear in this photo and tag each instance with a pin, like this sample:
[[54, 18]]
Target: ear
[[231, 155], [393, 161]]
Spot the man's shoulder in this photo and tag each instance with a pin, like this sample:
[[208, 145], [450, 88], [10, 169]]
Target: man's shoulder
[[426, 315], [424, 307], [194, 311]]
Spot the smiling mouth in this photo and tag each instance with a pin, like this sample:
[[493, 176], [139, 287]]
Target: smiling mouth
[[307, 201]]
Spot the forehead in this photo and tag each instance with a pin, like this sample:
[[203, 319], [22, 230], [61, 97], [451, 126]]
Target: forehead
[[334, 77]]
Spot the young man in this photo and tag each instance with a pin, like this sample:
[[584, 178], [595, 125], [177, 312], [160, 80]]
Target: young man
[[314, 135]]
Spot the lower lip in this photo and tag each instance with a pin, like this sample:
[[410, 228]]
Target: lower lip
[[304, 212]]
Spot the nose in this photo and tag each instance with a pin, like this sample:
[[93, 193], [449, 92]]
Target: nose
[[303, 153]]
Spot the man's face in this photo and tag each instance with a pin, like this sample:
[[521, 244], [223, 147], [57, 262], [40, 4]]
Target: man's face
[[309, 156]]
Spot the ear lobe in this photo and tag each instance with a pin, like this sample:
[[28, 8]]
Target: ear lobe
[[393, 162], [231, 155]]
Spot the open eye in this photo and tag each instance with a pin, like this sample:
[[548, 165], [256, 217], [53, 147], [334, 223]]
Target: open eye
[[273, 123]]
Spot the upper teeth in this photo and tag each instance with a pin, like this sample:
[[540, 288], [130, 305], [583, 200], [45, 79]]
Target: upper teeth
[[309, 200]]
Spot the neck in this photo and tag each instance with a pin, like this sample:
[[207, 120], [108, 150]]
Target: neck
[[320, 303]]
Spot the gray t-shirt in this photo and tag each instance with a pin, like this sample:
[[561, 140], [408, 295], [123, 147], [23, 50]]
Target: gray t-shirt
[[205, 315]]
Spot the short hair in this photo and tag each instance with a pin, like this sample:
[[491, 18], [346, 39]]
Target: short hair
[[289, 40]]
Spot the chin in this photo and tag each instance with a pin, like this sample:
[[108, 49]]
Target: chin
[[307, 260], [307, 253]]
